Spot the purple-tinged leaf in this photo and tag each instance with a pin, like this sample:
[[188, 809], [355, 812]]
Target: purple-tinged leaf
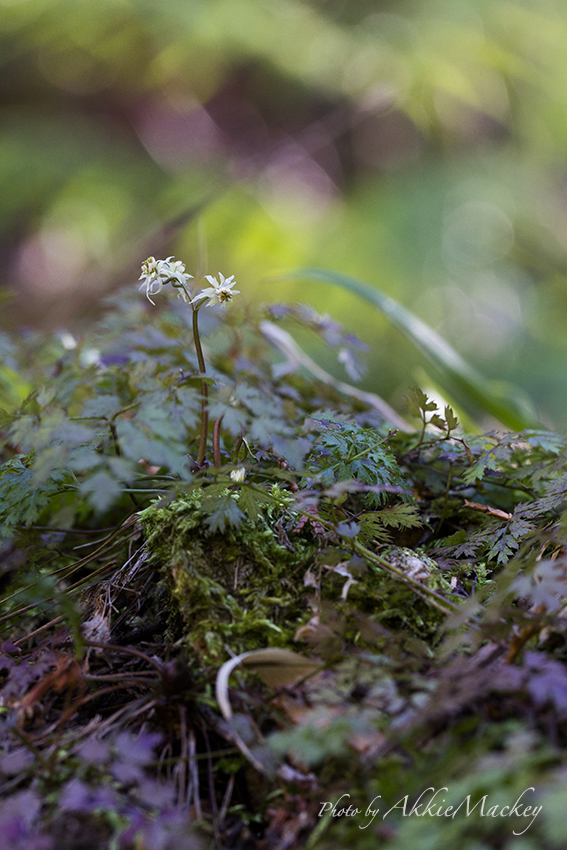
[[77, 796], [127, 773], [19, 812], [548, 682], [94, 751], [348, 529], [157, 794], [138, 750], [16, 761]]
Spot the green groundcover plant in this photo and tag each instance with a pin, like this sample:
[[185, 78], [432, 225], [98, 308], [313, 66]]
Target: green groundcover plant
[[248, 605]]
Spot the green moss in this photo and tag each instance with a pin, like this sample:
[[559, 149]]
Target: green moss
[[386, 600], [243, 589], [240, 590]]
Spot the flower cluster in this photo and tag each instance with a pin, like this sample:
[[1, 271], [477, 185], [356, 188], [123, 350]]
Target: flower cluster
[[156, 273]]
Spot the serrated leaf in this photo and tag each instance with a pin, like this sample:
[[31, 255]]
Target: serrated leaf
[[438, 422], [292, 449], [400, 516], [101, 405], [222, 511], [160, 447], [477, 471], [102, 490], [422, 400], [450, 418], [234, 419], [502, 548], [372, 462], [251, 501], [348, 529], [21, 499]]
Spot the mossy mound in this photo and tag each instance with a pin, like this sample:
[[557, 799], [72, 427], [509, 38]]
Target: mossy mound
[[236, 590], [246, 588]]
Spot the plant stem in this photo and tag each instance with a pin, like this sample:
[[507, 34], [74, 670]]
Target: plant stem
[[204, 389], [216, 442], [237, 448]]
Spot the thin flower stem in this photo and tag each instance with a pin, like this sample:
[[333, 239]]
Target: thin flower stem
[[216, 442], [197, 338], [204, 389]]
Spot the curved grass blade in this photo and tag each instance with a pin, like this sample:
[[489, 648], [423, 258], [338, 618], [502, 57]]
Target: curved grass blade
[[458, 377]]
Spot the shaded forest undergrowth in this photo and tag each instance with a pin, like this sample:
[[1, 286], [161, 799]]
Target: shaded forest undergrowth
[[392, 602]]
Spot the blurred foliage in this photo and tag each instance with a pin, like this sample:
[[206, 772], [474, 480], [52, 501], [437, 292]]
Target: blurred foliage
[[416, 145]]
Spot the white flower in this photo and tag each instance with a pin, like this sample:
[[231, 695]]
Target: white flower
[[67, 340], [218, 292], [238, 474], [156, 273]]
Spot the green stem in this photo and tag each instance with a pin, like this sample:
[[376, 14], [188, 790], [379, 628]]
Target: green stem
[[204, 388], [216, 442], [237, 448]]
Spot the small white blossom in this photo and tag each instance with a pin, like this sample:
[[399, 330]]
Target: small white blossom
[[238, 474], [67, 340], [156, 273], [90, 357], [218, 292]]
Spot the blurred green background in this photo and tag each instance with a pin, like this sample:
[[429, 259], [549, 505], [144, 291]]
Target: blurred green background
[[420, 146]]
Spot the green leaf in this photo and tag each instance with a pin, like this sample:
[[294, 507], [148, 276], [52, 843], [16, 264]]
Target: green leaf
[[348, 451], [195, 381], [418, 403], [222, 510], [22, 499], [477, 471], [438, 422], [102, 490], [450, 418], [400, 516], [251, 501]]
